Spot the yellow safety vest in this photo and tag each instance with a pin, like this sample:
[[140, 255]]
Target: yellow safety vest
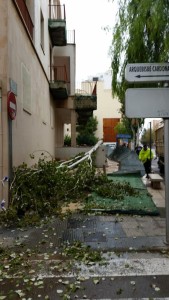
[[145, 154]]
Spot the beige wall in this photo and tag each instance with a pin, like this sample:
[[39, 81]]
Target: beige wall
[[68, 51], [156, 123], [107, 107], [33, 128], [39, 123]]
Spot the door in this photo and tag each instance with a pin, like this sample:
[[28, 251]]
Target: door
[[109, 134]]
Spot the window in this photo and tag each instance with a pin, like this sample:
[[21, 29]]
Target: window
[[26, 10], [42, 31], [26, 89]]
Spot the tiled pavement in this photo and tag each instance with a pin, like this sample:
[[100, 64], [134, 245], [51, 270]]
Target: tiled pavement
[[106, 232], [137, 255]]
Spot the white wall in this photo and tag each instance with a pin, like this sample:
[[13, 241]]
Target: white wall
[[41, 5], [68, 51], [107, 106]]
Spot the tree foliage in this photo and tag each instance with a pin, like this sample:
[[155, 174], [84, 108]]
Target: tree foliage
[[148, 137], [123, 128], [42, 190], [141, 34], [86, 133]]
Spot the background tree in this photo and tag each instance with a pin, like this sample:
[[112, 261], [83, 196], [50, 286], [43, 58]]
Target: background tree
[[86, 133], [141, 35], [148, 137], [122, 127]]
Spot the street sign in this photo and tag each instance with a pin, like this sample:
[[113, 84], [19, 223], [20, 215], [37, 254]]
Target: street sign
[[147, 103], [147, 72], [11, 103], [123, 136]]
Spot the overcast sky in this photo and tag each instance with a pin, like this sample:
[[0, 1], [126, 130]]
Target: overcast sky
[[88, 17], [147, 122]]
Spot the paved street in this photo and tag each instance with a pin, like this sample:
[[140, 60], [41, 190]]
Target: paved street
[[133, 263]]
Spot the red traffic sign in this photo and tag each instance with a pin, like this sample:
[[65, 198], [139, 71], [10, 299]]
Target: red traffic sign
[[12, 107]]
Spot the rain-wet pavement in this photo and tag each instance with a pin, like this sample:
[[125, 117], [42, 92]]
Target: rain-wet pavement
[[134, 264]]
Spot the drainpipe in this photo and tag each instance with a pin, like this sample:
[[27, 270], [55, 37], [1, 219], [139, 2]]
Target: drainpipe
[[10, 149], [4, 160]]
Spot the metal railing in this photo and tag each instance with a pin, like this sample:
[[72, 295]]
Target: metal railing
[[70, 36], [79, 159], [86, 88], [23, 10], [58, 73], [57, 12]]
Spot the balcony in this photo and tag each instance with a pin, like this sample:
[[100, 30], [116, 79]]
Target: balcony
[[57, 25], [25, 16], [85, 102], [59, 86]]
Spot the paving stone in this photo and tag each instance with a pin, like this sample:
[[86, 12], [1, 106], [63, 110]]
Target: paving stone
[[97, 237], [81, 221], [71, 235], [133, 232]]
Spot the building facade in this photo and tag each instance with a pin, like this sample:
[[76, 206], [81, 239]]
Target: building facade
[[37, 82], [108, 109]]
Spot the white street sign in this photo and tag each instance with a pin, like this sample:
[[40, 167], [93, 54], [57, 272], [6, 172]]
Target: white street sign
[[147, 103], [147, 72]]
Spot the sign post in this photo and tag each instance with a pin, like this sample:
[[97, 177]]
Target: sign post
[[12, 108], [151, 103], [166, 159]]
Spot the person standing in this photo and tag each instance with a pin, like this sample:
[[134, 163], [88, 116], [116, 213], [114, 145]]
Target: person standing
[[146, 155], [138, 149]]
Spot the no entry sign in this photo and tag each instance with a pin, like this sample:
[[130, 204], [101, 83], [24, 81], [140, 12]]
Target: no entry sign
[[11, 102]]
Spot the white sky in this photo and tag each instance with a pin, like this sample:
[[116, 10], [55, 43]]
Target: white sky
[[147, 122], [88, 17]]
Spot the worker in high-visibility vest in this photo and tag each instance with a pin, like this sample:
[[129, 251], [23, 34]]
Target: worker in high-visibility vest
[[146, 155]]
